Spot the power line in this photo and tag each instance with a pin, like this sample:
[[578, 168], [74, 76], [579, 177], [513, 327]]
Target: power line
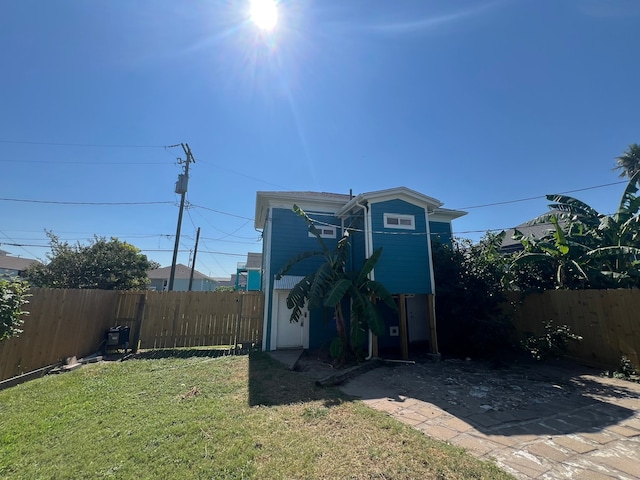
[[65, 162], [55, 202], [220, 212], [90, 145], [541, 196]]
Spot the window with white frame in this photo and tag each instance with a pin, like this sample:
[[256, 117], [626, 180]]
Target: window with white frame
[[396, 220], [325, 231]]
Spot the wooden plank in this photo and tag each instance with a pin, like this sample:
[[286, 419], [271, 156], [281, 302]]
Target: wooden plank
[[433, 331], [404, 340]]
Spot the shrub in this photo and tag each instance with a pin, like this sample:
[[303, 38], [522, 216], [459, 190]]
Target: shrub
[[553, 343], [13, 296]]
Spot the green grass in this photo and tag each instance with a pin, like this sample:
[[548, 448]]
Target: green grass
[[214, 418]]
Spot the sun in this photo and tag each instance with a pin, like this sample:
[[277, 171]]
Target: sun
[[264, 13]]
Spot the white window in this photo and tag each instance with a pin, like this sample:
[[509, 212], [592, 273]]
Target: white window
[[395, 220], [325, 231]]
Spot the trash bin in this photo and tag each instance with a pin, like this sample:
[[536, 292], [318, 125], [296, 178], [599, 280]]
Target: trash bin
[[117, 338]]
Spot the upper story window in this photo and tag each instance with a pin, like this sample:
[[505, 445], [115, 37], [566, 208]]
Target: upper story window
[[325, 231], [395, 220]]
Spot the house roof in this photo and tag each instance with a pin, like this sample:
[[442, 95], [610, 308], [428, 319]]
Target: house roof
[[286, 282], [537, 230], [182, 271], [342, 204], [254, 260], [15, 263], [332, 202], [432, 205]]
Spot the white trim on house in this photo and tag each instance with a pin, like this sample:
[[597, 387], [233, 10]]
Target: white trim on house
[[316, 201], [266, 278], [325, 231], [399, 221]]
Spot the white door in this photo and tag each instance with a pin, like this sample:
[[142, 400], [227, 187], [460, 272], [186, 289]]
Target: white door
[[290, 334]]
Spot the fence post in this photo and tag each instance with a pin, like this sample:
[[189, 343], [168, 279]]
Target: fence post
[[240, 299], [138, 325]]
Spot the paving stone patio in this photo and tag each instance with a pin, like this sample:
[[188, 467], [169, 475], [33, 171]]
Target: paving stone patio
[[536, 420]]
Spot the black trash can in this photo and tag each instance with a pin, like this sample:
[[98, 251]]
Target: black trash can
[[117, 338]]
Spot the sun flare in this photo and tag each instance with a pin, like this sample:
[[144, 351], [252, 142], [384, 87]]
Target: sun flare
[[264, 13]]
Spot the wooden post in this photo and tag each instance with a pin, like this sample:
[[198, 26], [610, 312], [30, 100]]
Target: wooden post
[[142, 301], [404, 338], [235, 341], [431, 309]]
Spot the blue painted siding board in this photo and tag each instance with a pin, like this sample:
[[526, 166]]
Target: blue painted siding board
[[253, 280], [404, 266], [441, 231], [290, 237]]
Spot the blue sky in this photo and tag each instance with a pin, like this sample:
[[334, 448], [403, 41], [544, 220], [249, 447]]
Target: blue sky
[[472, 102]]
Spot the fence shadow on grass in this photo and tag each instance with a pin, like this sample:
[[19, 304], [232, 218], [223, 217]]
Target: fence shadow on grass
[[271, 384], [186, 353]]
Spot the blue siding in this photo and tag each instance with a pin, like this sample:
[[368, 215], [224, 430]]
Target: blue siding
[[441, 231], [290, 237], [253, 280], [357, 242], [404, 266]]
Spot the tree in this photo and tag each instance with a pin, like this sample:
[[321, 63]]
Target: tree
[[331, 284], [13, 296], [102, 264], [470, 297], [591, 249], [629, 162]]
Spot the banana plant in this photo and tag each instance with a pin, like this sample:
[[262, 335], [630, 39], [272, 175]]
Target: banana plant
[[605, 249], [331, 284]]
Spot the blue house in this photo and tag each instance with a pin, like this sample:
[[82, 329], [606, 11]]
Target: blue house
[[249, 273], [402, 221]]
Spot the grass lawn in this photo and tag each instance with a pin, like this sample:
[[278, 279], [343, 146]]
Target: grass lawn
[[202, 417]]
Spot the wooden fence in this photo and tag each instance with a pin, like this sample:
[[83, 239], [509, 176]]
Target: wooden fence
[[193, 319], [63, 323], [60, 324], [608, 321]]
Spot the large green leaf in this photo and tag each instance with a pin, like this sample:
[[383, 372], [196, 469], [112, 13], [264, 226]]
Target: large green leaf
[[337, 292], [295, 260], [380, 292], [298, 295], [368, 266]]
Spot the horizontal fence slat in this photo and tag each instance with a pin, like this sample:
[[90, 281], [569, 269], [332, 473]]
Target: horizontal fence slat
[[608, 321]]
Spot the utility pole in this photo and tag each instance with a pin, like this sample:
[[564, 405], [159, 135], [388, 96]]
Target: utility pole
[[193, 265], [181, 188]]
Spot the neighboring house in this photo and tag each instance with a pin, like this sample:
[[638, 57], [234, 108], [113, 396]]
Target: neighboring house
[[538, 230], [11, 267], [249, 273], [400, 220], [160, 279]]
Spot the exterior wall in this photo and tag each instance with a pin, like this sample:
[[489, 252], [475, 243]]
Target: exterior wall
[[290, 237], [8, 273], [405, 264], [286, 236], [358, 250], [441, 231], [253, 280]]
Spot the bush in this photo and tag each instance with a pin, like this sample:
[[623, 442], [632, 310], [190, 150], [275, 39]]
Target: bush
[[469, 298], [13, 296], [553, 343]]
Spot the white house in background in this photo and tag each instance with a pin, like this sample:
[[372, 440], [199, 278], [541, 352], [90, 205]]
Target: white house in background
[[160, 280], [11, 266]]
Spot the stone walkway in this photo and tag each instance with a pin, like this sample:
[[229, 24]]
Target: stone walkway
[[542, 421]]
